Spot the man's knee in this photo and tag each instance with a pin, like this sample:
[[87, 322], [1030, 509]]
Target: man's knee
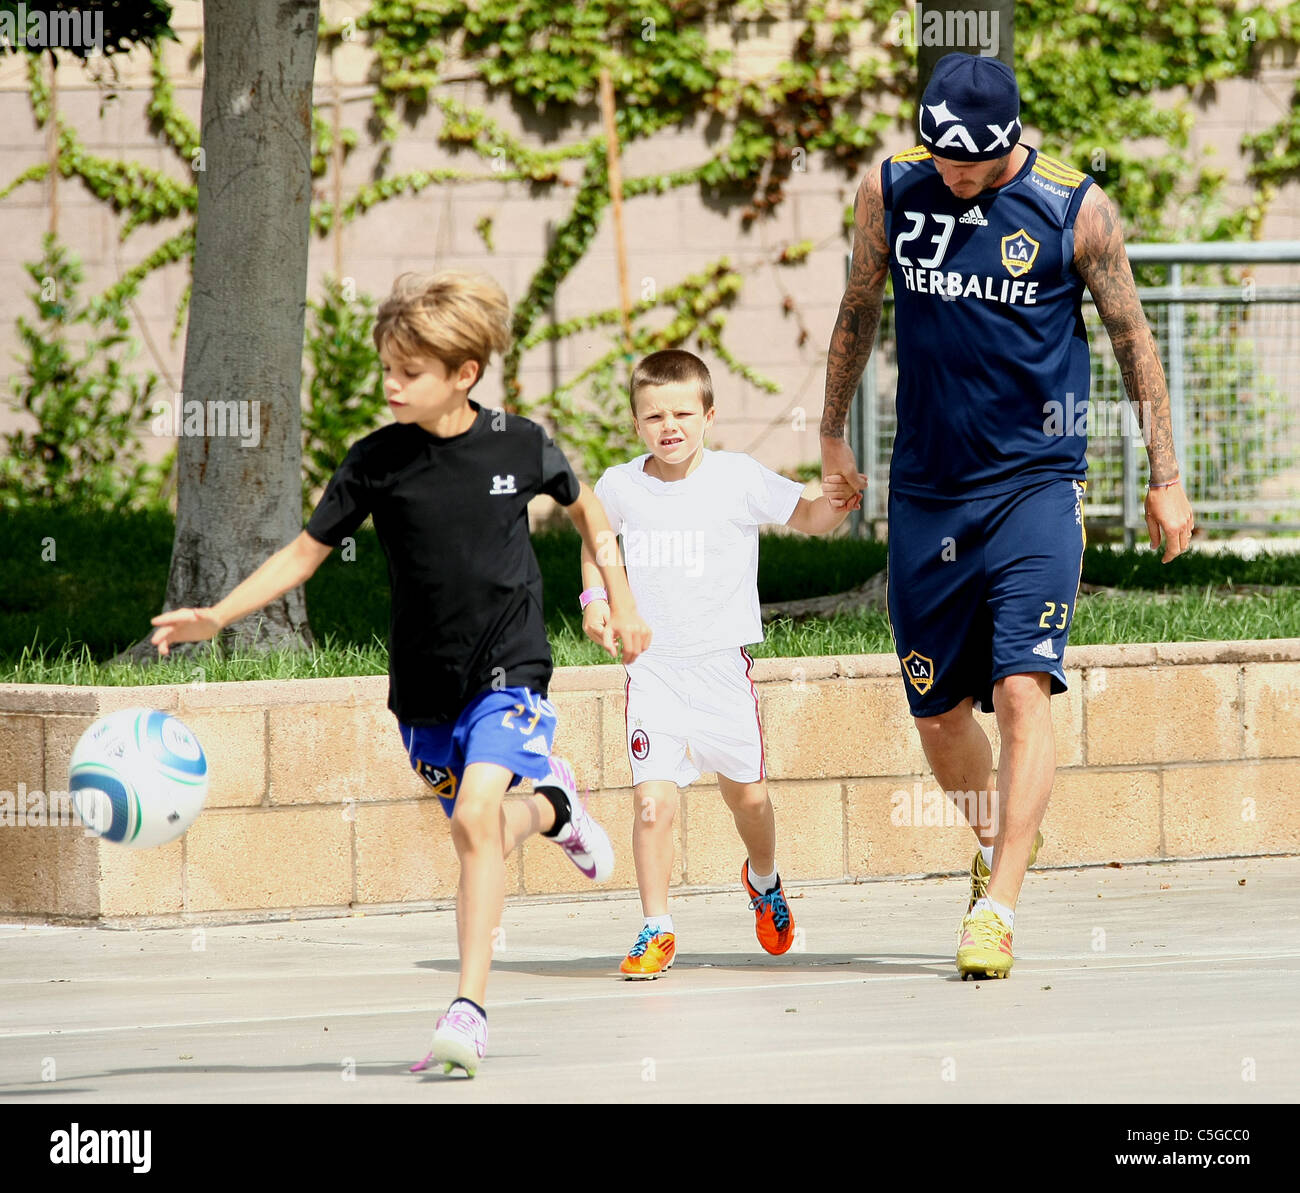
[[1019, 697], [947, 726]]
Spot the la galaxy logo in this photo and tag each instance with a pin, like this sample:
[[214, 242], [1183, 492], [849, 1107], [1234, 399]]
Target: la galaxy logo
[[1019, 251], [439, 778], [919, 671]]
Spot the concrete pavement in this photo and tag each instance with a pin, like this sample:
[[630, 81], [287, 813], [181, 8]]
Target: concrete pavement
[[1166, 983]]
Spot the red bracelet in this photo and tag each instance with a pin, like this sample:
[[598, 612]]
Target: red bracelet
[[1162, 484]]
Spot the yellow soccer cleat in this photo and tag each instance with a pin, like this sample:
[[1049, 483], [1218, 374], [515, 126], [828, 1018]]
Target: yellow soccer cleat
[[979, 873], [651, 956], [985, 948]]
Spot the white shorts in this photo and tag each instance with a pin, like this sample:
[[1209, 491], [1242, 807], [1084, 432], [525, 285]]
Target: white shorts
[[687, 716]]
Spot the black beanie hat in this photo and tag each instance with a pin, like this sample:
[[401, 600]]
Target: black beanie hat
[[971, 109]]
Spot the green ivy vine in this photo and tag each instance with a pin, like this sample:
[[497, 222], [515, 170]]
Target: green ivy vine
[[845, 80]]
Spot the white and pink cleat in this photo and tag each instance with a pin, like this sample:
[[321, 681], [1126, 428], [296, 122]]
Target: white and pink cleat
[[582, 839]]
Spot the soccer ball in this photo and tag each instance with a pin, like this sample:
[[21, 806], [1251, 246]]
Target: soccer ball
[[138, 778]]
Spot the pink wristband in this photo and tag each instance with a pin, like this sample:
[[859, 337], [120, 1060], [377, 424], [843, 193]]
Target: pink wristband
[[592, 594], [1164, 484]]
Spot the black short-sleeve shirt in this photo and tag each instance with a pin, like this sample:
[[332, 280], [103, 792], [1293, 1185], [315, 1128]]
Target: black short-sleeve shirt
[[452, 518]]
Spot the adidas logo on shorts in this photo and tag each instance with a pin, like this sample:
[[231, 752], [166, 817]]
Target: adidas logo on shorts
[[1044, 648], [536, 745], [974, 216]]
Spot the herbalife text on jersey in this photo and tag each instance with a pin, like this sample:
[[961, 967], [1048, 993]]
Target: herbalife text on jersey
[[959, 29]]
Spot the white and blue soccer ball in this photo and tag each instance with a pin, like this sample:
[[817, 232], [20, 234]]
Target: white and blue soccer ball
[[138, 778]]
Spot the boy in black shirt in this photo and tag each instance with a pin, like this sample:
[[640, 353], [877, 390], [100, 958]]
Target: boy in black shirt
[[448, 486]]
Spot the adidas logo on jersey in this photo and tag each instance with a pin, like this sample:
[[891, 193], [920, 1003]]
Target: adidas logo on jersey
[[536, 745], [974, 216], [1044, 649]]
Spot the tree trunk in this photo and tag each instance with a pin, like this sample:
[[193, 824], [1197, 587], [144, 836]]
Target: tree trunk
[[239, 454], [871, 595]]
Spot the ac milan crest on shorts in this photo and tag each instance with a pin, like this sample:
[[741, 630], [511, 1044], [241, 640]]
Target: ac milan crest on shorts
[[701, 714]]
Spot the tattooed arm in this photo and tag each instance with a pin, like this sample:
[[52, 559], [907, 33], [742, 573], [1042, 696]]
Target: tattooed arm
[[1101, 261], [855, 331]]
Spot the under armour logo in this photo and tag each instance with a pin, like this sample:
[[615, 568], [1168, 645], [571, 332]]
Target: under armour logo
[[503, 484]]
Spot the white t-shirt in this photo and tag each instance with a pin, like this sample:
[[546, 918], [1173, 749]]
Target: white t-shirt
[[691, 547]]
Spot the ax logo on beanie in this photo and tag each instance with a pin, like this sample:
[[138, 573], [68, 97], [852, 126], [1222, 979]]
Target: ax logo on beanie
[[971, 109]]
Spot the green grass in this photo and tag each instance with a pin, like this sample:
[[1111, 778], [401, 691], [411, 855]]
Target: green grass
[[1188, 616], [1142, 569], [62, 619], [71, 665]]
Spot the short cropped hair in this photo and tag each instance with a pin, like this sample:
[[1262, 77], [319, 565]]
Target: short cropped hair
[[669, 367], [450, 316]]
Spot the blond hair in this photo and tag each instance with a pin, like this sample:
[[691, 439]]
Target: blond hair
[[672, 366], [450, 316]]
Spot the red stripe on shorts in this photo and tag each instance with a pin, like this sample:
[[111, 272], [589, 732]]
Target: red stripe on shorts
[[627, 692], [762, 754]]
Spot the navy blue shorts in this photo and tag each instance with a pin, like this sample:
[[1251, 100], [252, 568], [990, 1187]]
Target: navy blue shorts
[[982, 589], [513, 727]]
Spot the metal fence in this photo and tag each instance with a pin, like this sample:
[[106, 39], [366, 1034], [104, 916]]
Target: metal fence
[[1231, 355]]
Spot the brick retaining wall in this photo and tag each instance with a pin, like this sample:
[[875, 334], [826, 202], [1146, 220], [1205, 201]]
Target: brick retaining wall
[[1164, 751]]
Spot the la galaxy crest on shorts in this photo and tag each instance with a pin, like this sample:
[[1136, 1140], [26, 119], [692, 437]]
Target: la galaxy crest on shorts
[[919, 671], [442, 780]]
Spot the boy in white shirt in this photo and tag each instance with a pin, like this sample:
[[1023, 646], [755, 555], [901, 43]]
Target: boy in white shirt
[[689, 519]]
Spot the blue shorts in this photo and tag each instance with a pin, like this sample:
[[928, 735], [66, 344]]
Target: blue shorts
[[513, 727], [981, 589]]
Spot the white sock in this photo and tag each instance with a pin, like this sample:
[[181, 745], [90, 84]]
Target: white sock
[[986, 852], [659, 923], [763, 883], [1005, 913]]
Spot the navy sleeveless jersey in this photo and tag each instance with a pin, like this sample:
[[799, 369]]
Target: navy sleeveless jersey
[[992, 353]]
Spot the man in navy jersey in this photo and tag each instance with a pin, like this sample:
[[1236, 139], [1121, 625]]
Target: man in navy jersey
[[990, 244]]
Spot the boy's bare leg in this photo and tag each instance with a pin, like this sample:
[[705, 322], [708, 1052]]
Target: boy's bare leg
[[655, 808], [478, 830], [523, 818], [755, 821]]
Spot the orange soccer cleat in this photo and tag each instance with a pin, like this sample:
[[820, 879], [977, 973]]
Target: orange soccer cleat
[[774, 926]]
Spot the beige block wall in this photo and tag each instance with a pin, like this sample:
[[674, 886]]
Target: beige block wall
[[1164, 752]]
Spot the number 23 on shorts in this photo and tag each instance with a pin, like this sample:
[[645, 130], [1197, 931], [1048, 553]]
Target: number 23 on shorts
[[539, 706], [1049, 611]]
